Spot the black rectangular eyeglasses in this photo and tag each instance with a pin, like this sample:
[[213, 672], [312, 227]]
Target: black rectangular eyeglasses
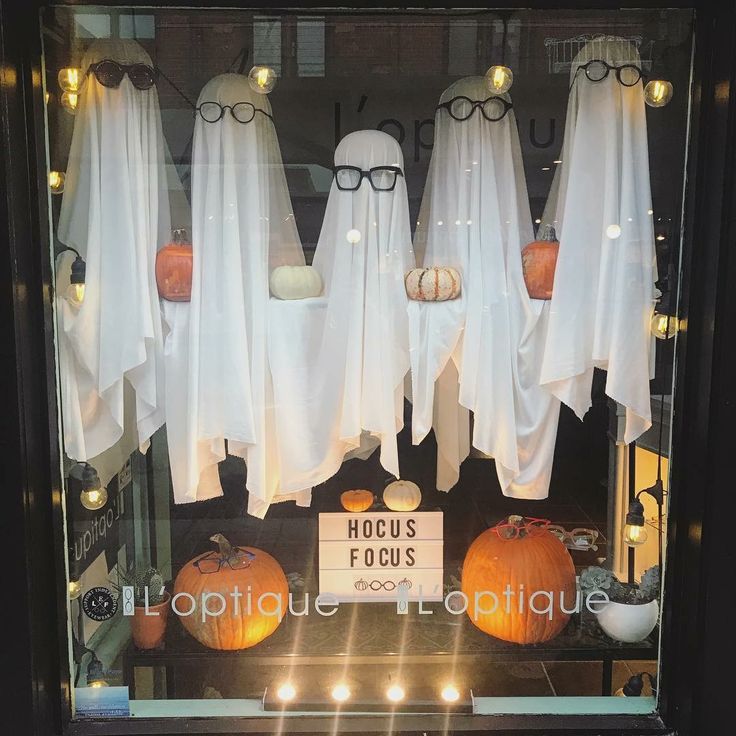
[[381, 178]]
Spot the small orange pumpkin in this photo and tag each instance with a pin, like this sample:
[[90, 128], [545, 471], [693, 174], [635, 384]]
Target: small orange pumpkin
[[174, 269], [243, 622], [539, 260], [357, 501], [538, 562]]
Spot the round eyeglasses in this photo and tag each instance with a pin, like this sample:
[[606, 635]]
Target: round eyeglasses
[[596, 70], [211, 563], [520, 526], [243, 112], [461, 108], [381, 178], [110, 73]]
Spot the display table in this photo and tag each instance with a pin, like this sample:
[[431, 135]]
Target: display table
[[371, 636]]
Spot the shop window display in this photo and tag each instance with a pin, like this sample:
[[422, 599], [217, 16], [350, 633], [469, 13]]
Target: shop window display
[[362, 405]]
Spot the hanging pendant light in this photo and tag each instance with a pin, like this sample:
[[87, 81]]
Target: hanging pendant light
[[499, 77], [262, 79], [658, 92]]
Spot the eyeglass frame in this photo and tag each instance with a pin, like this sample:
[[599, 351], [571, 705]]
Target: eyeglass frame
[[609, 68], [578, 531], [92, 69], [198, 110], [476, 104], [531, 523], [366, 175], [223, 560]]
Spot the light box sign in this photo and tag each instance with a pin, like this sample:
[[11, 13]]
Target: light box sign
[[381, 556]]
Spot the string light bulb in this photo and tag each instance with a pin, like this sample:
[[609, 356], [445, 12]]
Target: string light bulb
[[658, 92], [56, 181], [70, 102], [75, 295], [70, 79], [664, 326], [262, 79], [75, 589], [635, 533], [499, 79], [613, 231], [93, 495], [353, 236], [341, 692]]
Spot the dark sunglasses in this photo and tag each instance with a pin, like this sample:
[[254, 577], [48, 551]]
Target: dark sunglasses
[[382, 178], [461, 108], [596, 70], [243, 112], [110, 73]]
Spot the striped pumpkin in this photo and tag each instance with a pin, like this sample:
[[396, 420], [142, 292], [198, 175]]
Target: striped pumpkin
[[434, 284]]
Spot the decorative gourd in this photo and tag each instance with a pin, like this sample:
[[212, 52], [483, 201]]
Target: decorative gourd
[[295, 282], [436, 284], [235, 627], [539, 260], [402, 495], [357, 501], [174, 268], [538, 561]]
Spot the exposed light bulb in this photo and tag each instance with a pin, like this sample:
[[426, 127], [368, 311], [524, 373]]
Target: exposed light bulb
[[75, 293], [450, 694], [635, 535], [93, 498], [98, 683], [56, 181], [499, 79], [262, 79], [286, 692], [70, 102], [340, 693], [353, 236], [658, 92], [664, 326], [75, 589], [613, 231], [395, 693], [70, 79]]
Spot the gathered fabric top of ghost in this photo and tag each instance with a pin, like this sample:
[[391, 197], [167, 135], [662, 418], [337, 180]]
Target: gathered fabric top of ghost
[[242, 227], [475, 217], [115, 212], [600, 204]]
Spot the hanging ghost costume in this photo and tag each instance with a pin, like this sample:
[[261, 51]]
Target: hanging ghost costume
[[115, 212], [600, 205], [339, 361], [481, 352], [242, 228]]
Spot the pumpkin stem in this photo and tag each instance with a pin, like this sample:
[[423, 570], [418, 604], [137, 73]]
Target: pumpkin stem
[[226, 549]]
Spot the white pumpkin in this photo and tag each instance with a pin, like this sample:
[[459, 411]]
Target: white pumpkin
[[402, 495], [435, 284], [295, 282]]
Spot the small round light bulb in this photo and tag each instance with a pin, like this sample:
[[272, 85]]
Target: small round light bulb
[[92, 498], [353, 236], [341, 693], [75, 589], [613, 231], [658, 93], [395, 693], [634, 535], [70, 102], [286, 692], [664, 326], [499, 79], [450, 694], [262, 79], [56, 181], [70, 79]]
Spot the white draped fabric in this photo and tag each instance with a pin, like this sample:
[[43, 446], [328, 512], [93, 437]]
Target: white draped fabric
[[242, 228], [475, 217], [115, 212], [600, 205]]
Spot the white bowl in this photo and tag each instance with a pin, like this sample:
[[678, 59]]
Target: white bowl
[[628, 622]]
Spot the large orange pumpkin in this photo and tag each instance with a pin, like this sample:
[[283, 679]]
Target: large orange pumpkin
[[174, 269], [539, 261], [236, 627], [538, 562]]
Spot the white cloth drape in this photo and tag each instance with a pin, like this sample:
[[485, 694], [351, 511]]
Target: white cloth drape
[[475, 217], [242, 228], [115, 212], [600, 204]]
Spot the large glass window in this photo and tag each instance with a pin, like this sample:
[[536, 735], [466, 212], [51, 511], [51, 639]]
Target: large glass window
[[364, 330]]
